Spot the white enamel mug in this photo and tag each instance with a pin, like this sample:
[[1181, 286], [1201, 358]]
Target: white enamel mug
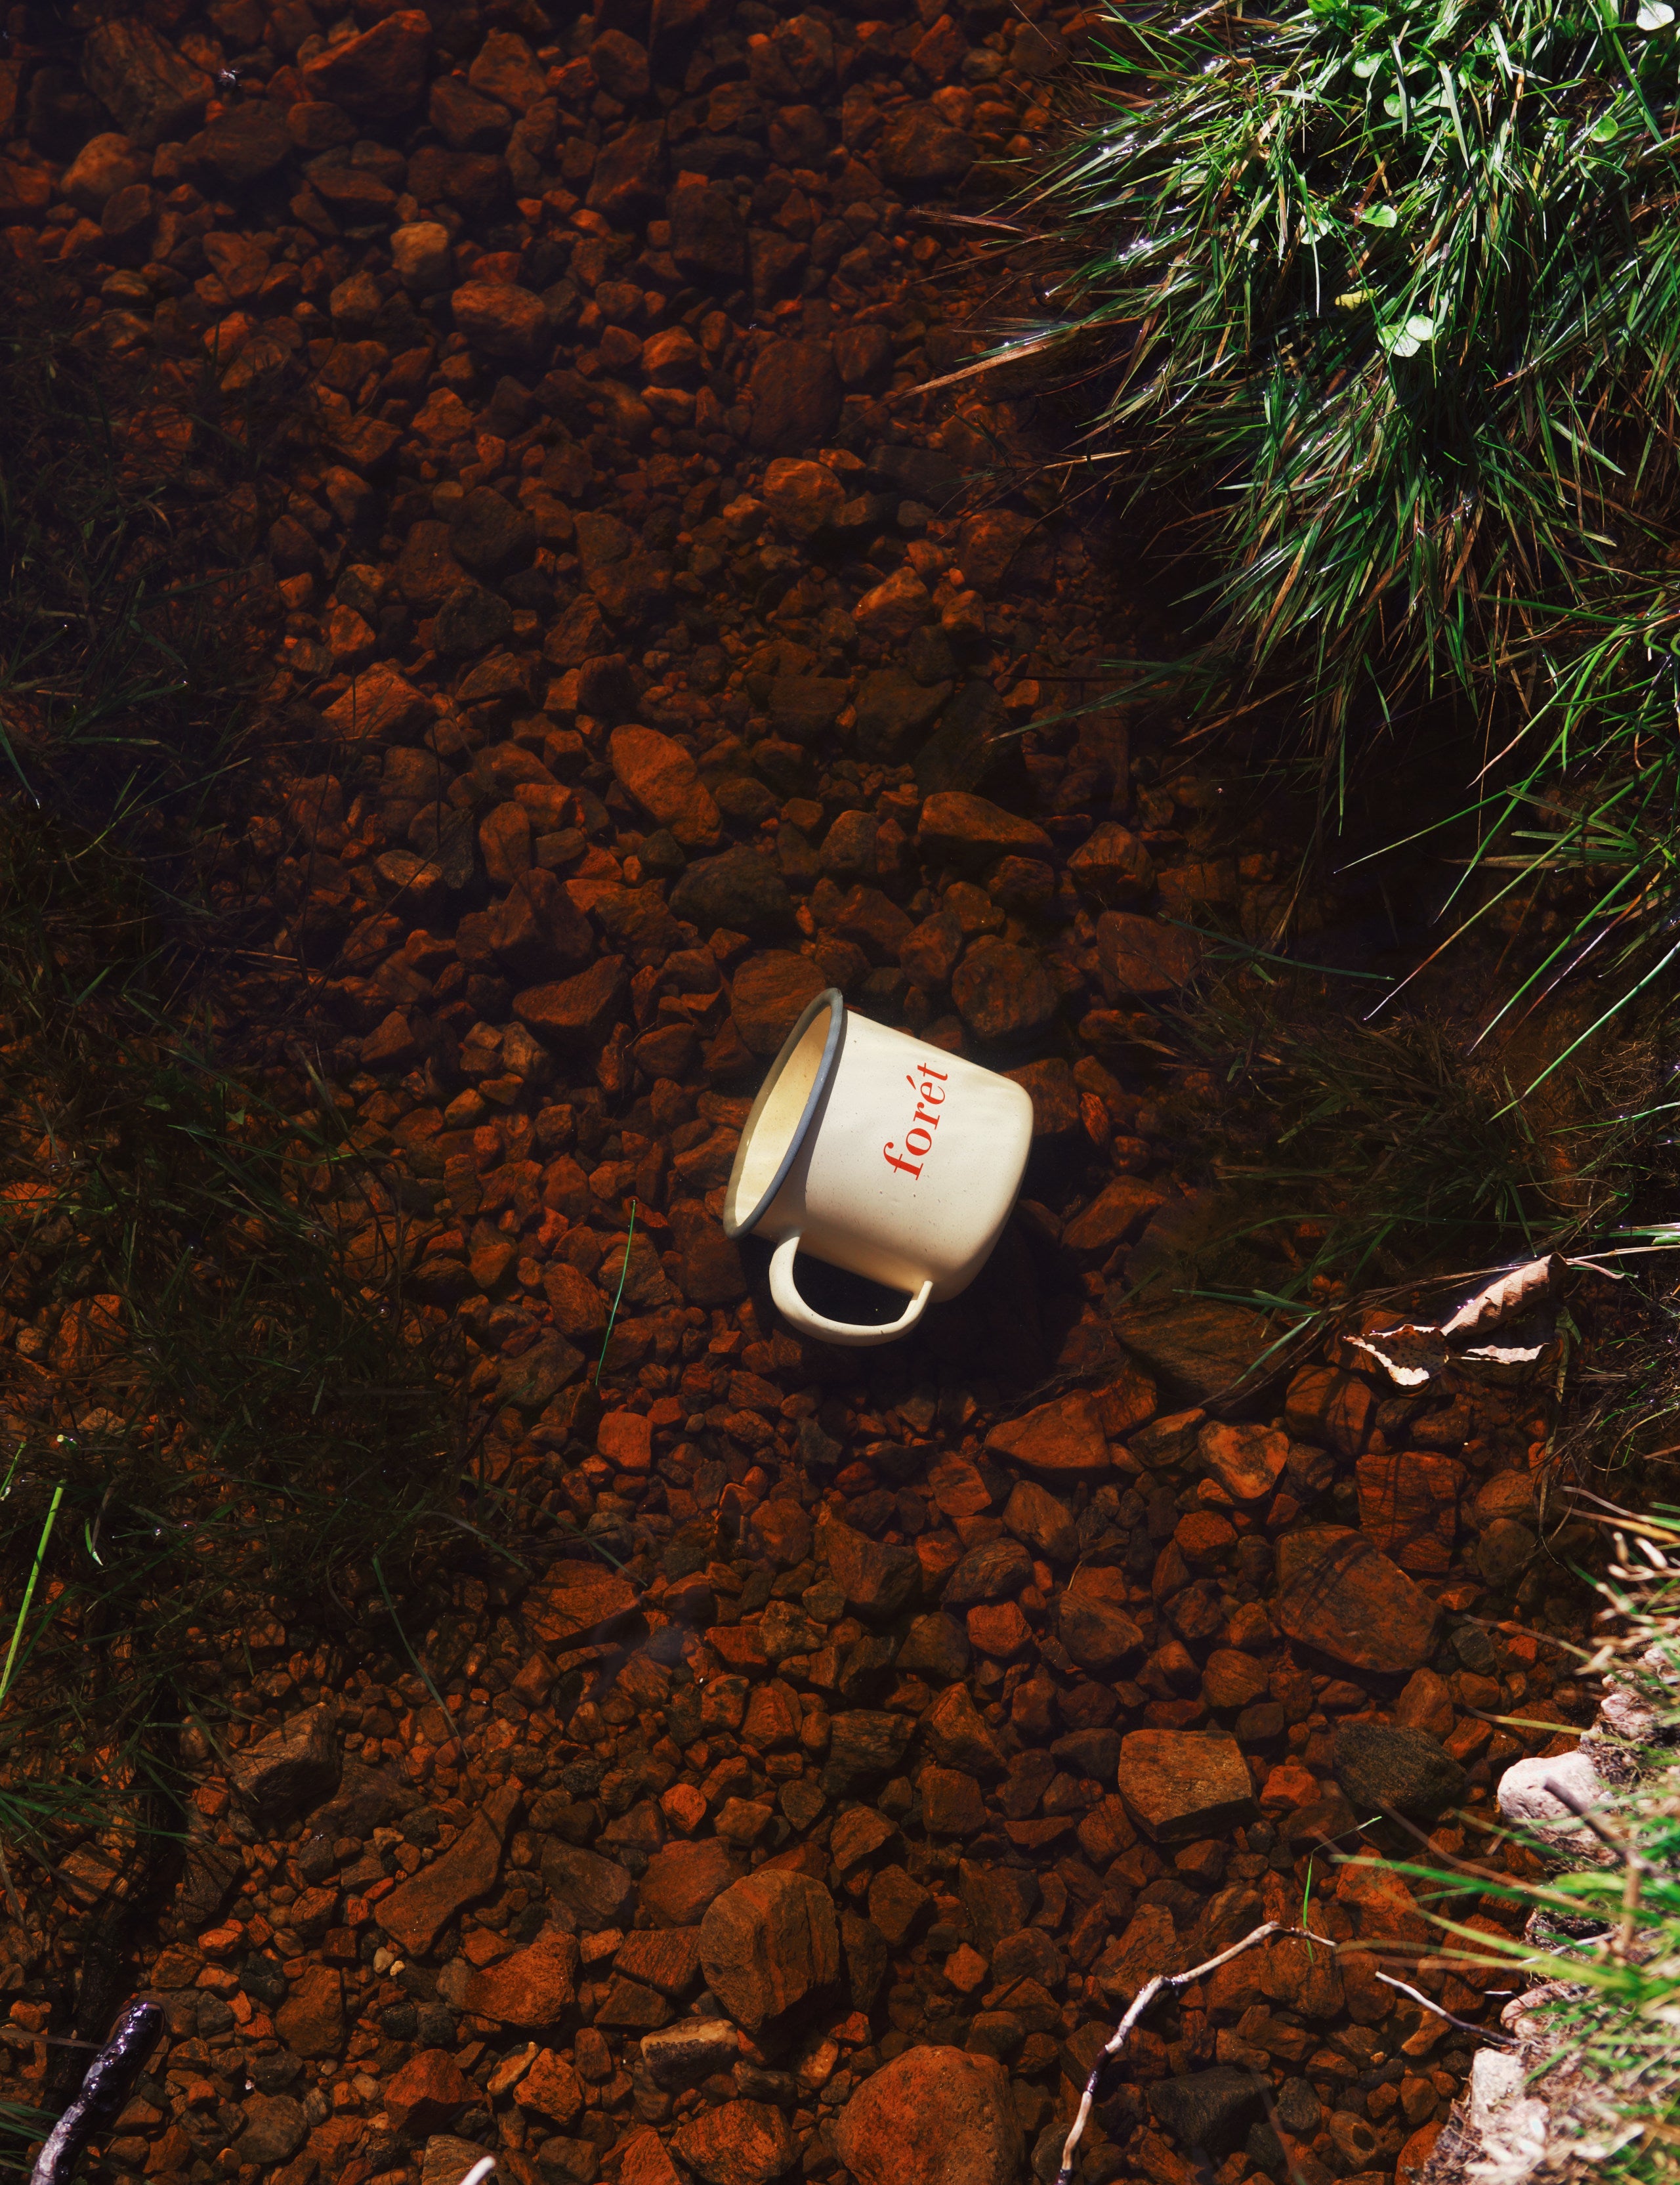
[[880, 1155]]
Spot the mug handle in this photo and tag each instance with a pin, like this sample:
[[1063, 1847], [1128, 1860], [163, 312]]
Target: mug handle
[[793, 1309]]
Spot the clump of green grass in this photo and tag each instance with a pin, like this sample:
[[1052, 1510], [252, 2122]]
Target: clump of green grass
[[1375, 312], [1383, 304]]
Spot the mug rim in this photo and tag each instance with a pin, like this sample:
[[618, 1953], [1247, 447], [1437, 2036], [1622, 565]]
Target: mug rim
[[833, 1000]]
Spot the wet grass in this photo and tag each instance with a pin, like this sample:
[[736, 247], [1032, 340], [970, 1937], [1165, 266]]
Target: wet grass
[[1579, 816], [131, 497], [218, 1407], [1352, 1159]]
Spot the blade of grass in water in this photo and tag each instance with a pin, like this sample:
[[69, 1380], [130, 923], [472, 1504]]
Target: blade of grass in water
[[28, 1590], [623, 1276]]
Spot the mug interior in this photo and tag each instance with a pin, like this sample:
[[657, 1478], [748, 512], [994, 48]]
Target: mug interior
[[773, 1130]]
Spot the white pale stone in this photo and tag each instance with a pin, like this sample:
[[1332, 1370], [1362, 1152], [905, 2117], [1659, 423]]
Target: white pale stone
[[1523, 1795], [1510, 2124], [1495, 2081], [1627, 1715], [1516, 2147]]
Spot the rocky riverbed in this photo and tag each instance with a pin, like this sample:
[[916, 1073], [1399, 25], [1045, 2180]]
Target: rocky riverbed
[[650, 656], [864, 1799]]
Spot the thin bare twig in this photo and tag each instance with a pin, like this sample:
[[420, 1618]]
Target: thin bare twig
[[1145, 1995], [1417, 1995]]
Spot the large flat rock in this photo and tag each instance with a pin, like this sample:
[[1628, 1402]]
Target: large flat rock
[[1345, 1599], [767, 1942], [1203, 1350], [1178, 1785], [417, 1910], [933, 2116], [531, 1989], [1062, 1440]]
